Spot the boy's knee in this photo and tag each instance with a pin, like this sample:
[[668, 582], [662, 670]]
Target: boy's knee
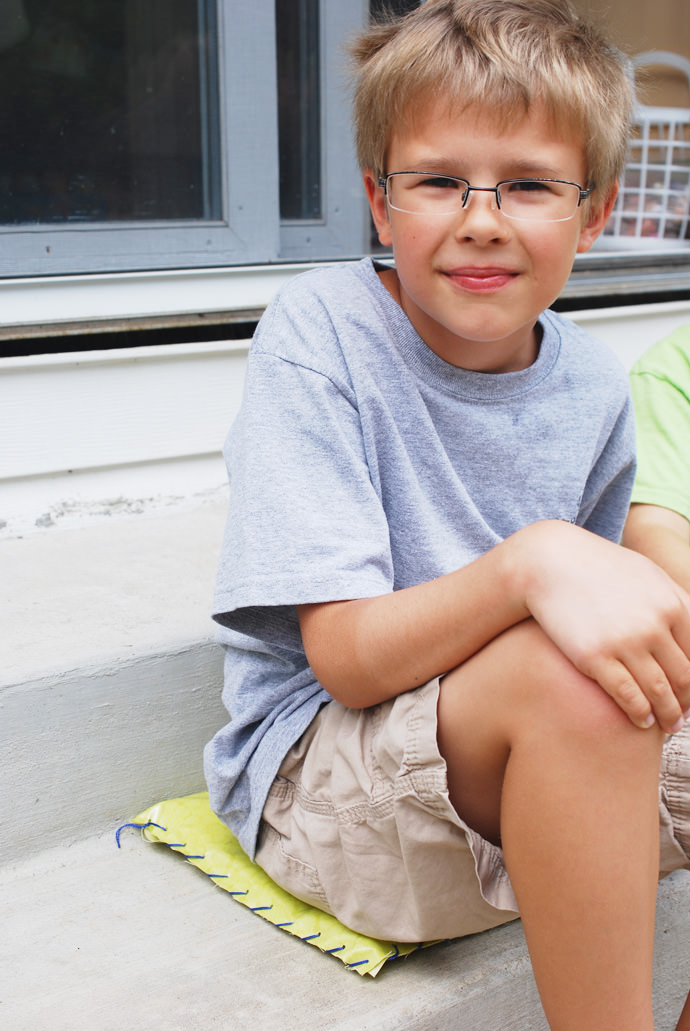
[[566, 701], [522, 691]]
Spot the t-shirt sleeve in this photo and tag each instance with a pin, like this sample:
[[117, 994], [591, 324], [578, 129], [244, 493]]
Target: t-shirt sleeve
[[606, 497], [662, 412], [305, 523]]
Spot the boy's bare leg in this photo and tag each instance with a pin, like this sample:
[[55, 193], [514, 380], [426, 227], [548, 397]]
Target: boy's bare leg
[[540, 757]]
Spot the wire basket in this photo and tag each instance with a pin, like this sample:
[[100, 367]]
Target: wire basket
[[653, 205]]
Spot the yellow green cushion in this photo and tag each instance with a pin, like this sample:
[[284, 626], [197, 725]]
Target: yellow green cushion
[[188, 826]]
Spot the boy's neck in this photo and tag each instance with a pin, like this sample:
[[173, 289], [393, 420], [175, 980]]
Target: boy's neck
[[477, 358]]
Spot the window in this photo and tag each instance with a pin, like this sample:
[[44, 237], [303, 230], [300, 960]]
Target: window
[[299, 109], [113, 146], [112, 113], [322, 208], [144, 135]]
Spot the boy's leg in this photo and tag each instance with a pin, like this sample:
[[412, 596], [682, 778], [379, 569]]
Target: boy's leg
[[540, 757]]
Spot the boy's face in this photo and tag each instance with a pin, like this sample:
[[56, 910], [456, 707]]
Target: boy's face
[[474, 282]]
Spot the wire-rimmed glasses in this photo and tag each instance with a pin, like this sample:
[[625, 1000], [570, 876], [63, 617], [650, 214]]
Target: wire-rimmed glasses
[[533, 200]]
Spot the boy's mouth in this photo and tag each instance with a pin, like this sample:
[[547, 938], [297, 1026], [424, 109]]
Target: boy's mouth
[[481, 279]]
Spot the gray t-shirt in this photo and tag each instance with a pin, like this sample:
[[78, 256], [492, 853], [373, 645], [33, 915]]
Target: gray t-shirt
[[361, 463]]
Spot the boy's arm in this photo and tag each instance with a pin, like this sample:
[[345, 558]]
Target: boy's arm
[[617, 617], [663, 536]]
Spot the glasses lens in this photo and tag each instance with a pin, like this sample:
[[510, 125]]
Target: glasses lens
[[425, 194], [545, 200]]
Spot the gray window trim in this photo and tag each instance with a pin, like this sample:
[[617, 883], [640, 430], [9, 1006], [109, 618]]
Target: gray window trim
[[629, 275], [343, 232]]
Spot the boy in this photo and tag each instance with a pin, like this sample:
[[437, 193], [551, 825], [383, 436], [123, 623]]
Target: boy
[[448, 695], [658, 524]]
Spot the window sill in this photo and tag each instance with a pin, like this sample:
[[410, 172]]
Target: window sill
[[62, 305]]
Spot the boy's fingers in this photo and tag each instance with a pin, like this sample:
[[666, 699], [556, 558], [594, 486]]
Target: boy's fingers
[[680, 673], [618, 682], [674, 661], [627, 693], [643, 692]]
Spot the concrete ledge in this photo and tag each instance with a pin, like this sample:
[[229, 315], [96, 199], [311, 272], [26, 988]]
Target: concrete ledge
[[104, 939], [110, 680]]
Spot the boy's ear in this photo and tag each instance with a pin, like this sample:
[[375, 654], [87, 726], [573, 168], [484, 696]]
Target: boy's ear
[[596, 220], [379, 208]]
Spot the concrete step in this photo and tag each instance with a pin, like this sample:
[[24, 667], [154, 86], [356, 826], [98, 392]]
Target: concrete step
[[109, 686], [100, 938], [110, 679]]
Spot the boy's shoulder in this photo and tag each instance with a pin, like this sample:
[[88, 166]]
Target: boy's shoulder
[[582, 350], [332, 286], [326, 316]]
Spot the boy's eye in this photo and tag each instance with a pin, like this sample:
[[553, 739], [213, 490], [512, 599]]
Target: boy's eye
[[528, 186], [440, 182]]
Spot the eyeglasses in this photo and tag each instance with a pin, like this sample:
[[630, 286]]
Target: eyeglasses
[[533, 200]]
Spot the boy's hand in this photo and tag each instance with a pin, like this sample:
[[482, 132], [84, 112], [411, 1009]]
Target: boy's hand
[[619, 619]]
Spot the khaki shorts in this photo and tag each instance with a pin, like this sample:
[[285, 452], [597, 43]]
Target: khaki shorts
[[674, 803], [359, 823]]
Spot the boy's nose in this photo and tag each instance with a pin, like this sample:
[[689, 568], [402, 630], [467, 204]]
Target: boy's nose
[[481, 216]]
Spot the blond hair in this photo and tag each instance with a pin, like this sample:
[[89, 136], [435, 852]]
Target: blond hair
[[506, 55]]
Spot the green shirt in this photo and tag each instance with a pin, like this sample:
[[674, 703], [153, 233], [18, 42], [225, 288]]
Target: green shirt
[[660, 383]]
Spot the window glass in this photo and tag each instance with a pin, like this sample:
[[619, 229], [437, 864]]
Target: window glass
[[110, 111], [299, 108], [398, 7]]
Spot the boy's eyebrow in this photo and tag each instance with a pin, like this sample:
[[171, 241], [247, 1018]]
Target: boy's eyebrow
[[517, 169], [431, 164], [531, 168]]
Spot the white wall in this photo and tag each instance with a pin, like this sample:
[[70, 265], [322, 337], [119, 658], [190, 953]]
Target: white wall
[[90, 435]]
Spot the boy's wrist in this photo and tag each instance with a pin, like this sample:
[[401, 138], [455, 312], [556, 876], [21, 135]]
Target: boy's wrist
[[518, 557], [529, 556]]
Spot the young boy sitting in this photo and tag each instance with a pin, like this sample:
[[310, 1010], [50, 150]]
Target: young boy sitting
[[658, 524], [449, 685]]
